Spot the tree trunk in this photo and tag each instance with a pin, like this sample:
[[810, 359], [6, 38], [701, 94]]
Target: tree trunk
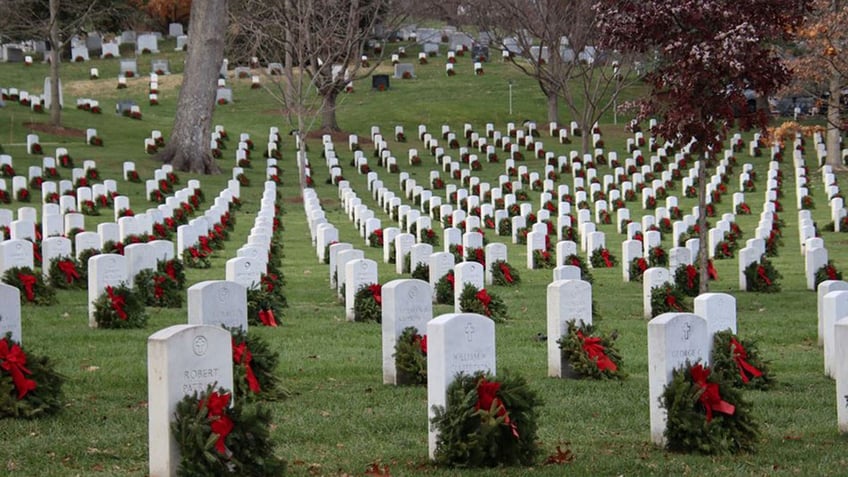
[[328, 111], [703, 244], [189, 146], [834, 154], [586, 138], [55, 57], [553, 108]]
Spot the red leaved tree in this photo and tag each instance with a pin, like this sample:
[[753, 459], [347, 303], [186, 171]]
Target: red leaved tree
[[707, 53]]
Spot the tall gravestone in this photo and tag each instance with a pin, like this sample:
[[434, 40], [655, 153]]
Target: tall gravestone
[[218, 303], [358, 273], [840, 337], [824, 288], [181, 360], [104, 270], [406, 303], [719, 309], [456, 343], [10, 312], [567, 301]]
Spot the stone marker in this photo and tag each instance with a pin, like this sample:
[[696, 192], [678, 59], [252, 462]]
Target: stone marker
[[567, 301], [218, 303], [10, 314], [104, 270], [406, 302]]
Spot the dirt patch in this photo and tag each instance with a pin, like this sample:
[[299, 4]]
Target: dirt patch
[[60, 131]]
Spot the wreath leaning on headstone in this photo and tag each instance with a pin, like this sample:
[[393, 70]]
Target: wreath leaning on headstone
[[504, 274], [738, 362], [762, 277], [602, 258], [264, 308], [687, 279], [590, 354], [254, 368], [474, 300], [368, 303], [577, 261], [411, 357], [444, 289], [827, 271], [158, 289], [29, 385], [31, 284], [706, 414], [216, 439], [668, 298], [66, 273], [487, 422], [119, 307]]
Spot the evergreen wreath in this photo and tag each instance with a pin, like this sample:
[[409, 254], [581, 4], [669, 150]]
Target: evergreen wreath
[[30, 387], [174, 269], [637, 268], [738, 362], [487, 423], [474, 300], [368, 303], [32, 286], [158, 289], [196, 258], [254, 368], [577, 261], [602, 258], [215, 439], [827, 271], [504, 274], [657, 256], [411, 357], [429, 236], [543, 259], [421, 272], [505, 228], [444, 289], [762, 277], [589, 354], [66, 273], [475, 254], [264, 308], [668, 298], [120, 307], [706, 414], [687, 279]]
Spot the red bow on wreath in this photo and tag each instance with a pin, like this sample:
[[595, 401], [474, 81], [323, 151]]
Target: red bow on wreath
[[376, 292], [606, 256], [158, 291], [761, 272], [219, 422], [711, 271], [28, 281], [118, 303], [740, 356], [596, 352], [449, 277], [242, 355], [170, 270], [204, 244], [831, 273], [485, 299], [421, 341], [69, 269], [710, 398], [266, 317], [487, 399], [507, 275], [641, 264], [691, 274], [13, 360], [671, 301]]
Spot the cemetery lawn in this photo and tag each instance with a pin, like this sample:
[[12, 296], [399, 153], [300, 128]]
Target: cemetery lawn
[[340, 417]]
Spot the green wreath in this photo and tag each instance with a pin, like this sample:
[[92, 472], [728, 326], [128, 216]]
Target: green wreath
[[589, 354], [421, 272], [429, 236], [83, 259], [504, 274], [694, 400], [264, 308], [602, 258], [242, 445], [762, 277], [195, 258], [444, 289], [657, 257], [577, 261], [487, 423], [67, 273], [474, 300], [158, 289], [668, 298], [368, 303], [33, 289], [543, 259], [174, 269], [254, 368], [827, 271], [687, 279], [120, 307], [40, 391], [505, 228], [411, 357], [738, 362], [637, 268]]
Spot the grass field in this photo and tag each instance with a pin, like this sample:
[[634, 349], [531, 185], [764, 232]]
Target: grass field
[[340, 417]]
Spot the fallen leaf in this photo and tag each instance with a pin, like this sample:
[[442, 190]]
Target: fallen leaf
[[91, 369], [374, 469], [325, 414], [560, 457], [792, 438]]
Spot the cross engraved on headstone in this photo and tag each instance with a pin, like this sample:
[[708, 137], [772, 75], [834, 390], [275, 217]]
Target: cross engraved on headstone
[[201, 344], [469, 332], [687, 328]]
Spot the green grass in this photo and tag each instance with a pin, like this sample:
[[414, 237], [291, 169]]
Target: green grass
[[341, 417]]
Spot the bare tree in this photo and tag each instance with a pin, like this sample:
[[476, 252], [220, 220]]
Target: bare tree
[[56, 21], [189, 148], [554, 42]]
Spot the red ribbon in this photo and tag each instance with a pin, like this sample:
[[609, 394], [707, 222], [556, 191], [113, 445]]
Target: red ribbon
[[725, 249], [710, 398], [421, 341], [711, 271], [575, 261], [487, 399], [831, 273], [449, 277], [242, 355], [740, 356], [267, 318], [485, 299], [641, 264], [376, 292], [194, 253], [761, 272], [118, 303], [219, 422], [13, 361], [505, 270], [596, 352], [69, 269], [671, 301], [170, 270], [204, 244], [691, 274], [268, 281], [28, 281], [158, 291], [36, 255], [605, 255]]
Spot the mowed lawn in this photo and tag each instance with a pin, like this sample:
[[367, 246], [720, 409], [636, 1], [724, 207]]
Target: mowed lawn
[[341, 418]]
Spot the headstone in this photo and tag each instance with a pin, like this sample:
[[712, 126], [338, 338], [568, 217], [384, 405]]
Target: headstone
[[358, 273], [218, 303], [673, 340], [567, 301], [104, 270], [826, 287], [835, 308], [652, 278], [440, 264], [466, 272], [15, 253], [181, 360], [406, 303], [840, 337], [139, 257], [456, 343], [245, 271], [719, 309], [10, 316]]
